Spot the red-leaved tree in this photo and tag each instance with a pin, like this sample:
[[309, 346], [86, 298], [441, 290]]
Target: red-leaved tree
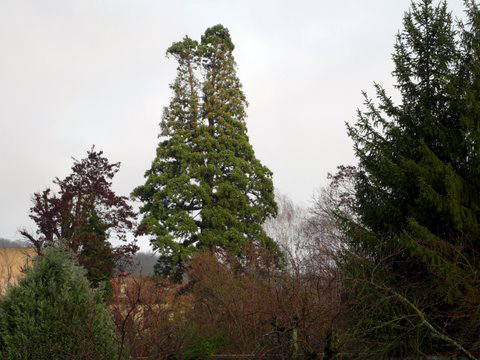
[[83, 213]]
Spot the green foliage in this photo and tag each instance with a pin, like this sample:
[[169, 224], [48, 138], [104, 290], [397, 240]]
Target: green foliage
[[205, 188], [417, 191], [203, 347], [54, 314], [96, 254]]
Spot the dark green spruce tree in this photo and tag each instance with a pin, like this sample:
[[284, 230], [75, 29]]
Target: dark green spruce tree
[[413, 254], [206, 188]]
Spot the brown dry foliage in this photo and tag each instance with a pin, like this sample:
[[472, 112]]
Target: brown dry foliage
[[149, 318], [258, 311], [219, 309]]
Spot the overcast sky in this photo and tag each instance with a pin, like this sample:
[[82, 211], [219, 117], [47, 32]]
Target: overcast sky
[[79, 72]]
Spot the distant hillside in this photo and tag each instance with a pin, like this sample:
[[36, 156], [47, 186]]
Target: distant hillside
[[5, 243], [143, 263]]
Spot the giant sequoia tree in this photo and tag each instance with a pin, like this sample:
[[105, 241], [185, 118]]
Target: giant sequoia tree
[[205, 188], [416, 245]]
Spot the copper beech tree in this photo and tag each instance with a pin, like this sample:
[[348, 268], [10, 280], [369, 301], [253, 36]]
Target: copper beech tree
[[83, 213]]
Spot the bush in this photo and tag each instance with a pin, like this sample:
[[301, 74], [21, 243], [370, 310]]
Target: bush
[[53, 313]]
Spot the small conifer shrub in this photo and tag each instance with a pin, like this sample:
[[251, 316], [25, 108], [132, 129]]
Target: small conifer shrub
[[53, 313]]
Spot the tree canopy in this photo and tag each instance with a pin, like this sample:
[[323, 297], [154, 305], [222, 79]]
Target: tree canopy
[[82, 214], [205, 188], [417, 196]]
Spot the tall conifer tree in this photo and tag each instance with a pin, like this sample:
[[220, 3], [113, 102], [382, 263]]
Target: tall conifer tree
[[417, 198], [206, 188]]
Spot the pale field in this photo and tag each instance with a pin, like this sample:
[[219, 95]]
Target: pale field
[[12, 261]]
